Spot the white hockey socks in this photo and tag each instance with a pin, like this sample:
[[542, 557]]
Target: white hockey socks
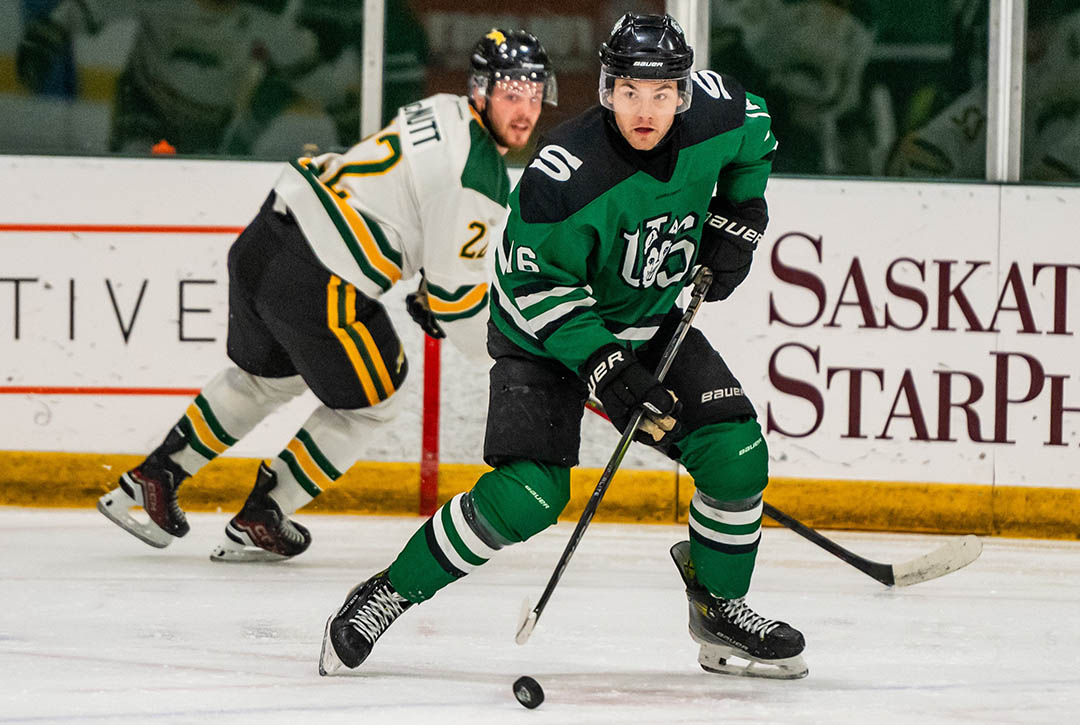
[[226, 409], [327, 446]]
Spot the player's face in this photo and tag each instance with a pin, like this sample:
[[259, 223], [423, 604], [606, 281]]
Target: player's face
[[644, 110], [513, 109]]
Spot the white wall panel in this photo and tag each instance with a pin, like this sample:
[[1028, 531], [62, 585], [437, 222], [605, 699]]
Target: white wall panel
[[927, 289]]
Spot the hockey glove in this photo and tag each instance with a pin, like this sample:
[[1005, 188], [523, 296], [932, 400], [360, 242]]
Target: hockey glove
[[728, 240], [417, 305], [623, 385], [43, 44]]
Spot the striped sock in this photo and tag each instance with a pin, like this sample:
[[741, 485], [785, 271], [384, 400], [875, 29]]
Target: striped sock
[[228, 407], [303, 471], [724, 538], [206, 436], [452, 543]]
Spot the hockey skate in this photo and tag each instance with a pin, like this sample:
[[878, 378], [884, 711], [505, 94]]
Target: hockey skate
[[352, 632], [727, 628], [261, 532], [152, 485]]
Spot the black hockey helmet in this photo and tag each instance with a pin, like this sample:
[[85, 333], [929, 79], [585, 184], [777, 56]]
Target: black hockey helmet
[[646, 47], [511, 55]]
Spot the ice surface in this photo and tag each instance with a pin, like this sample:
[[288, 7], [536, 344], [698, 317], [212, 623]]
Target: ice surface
[[97, 627]]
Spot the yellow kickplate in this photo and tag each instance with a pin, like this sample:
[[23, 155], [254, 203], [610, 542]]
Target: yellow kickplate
[[50, 479]]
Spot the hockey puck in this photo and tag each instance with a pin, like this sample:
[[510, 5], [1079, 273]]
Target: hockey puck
[[528, 692]]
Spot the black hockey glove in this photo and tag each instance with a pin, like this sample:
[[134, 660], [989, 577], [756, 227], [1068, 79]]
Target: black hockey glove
[[43, 44], [623, 385], [417, 305], [728, 240]]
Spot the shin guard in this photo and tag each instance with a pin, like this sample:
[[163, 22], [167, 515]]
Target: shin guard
[[507, 505], [729, 463]]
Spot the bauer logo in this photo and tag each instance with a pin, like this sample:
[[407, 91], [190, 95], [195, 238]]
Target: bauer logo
[[649, 63], [603, 368], [732, 228], [720, 394], [752, 446]]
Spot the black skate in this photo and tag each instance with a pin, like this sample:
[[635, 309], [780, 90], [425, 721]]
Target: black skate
[[261, 532], [728, 628], [352, 632], [153, 485]]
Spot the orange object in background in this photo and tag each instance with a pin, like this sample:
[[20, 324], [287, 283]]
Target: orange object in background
[[162, 148]]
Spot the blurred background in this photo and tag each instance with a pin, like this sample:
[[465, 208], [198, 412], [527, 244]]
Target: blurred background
[[863, 88]]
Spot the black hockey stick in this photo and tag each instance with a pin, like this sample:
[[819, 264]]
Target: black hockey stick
[[953, 555], [702, 280]]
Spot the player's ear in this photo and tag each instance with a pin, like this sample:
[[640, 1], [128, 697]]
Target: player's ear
[[479, 99]]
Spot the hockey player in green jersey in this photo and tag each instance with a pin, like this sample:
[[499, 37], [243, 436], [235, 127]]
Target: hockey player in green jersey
[[337, 231], [609, 220]]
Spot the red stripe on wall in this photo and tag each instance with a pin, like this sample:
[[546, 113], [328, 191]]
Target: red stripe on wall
[[76, 390]]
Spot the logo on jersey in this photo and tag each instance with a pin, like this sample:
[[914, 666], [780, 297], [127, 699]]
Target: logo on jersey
[[556, 162], [721, 393], [658, 252], [712, 83]]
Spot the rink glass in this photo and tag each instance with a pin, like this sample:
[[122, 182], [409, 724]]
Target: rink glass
[[864, 88]]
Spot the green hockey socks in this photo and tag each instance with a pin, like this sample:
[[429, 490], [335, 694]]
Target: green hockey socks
[[729, 463], [507, 505]]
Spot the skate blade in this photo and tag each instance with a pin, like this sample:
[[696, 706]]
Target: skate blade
[[329, 662], [230, 551], [238, 546], [116, 506], [715, 659]]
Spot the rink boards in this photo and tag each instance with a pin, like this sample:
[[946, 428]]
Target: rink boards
[[911, 349]]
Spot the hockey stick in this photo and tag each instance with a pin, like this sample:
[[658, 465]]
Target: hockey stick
[[949, 557], [954, 554], [702, 280]]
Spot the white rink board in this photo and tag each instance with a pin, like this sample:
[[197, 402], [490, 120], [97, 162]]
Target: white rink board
[[940, 229], [875, 277]]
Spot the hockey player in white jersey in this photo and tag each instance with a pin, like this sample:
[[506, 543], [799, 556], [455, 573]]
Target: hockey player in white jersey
[[425, 194]]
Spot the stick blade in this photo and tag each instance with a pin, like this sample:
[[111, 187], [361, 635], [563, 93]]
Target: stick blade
[[527, 623], [953, 555]]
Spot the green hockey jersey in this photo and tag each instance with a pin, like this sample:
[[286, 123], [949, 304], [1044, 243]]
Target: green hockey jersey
[[601, 238]]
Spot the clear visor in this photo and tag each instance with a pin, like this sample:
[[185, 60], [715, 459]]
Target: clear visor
[[532, 86], [645, 96]]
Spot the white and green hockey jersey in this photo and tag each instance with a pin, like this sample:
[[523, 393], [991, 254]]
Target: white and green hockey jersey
[[427, 192]]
